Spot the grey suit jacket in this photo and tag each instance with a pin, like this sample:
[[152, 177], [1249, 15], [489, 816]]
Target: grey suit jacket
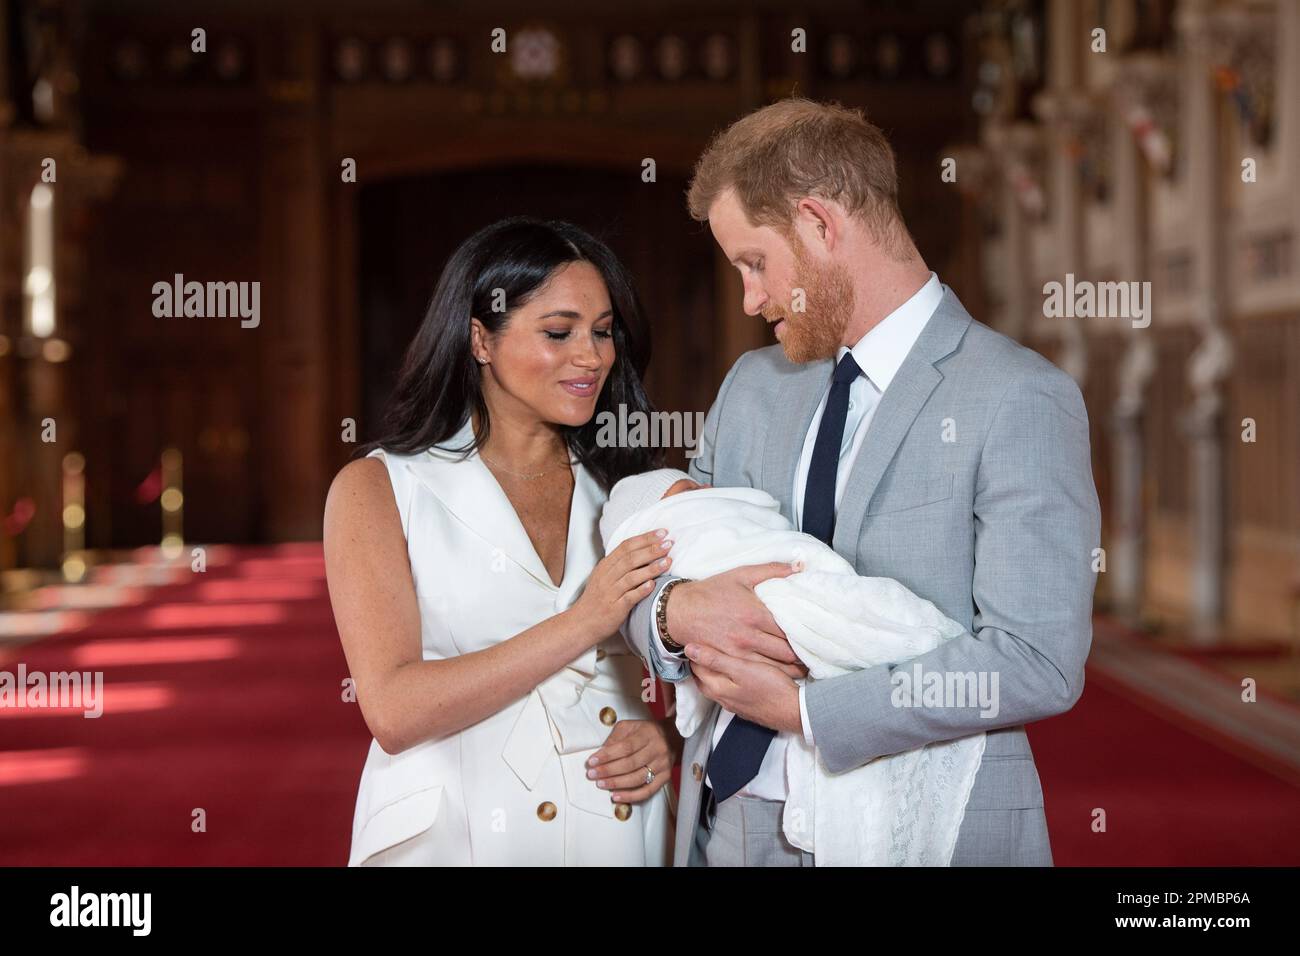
[[974, 489]]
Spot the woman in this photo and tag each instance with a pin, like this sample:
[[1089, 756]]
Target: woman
[[455, 551]]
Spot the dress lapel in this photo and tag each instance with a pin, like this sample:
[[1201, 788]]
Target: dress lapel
[[462, 482], [584, 547], [901, 402]]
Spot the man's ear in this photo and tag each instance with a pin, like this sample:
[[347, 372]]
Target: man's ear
[[818, 221]]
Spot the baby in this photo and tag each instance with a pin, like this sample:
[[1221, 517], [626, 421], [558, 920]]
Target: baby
[[836, 622]]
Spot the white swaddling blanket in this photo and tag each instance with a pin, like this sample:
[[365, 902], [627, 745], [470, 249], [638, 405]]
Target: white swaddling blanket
[[902, 809]]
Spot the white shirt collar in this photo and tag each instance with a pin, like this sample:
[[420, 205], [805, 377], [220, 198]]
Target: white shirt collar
[[880, 353]]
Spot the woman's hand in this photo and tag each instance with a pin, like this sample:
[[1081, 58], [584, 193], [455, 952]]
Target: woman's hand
[[619, 766], [619, 581]]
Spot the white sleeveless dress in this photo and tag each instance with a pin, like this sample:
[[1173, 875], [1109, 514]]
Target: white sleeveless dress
[[511, 789]]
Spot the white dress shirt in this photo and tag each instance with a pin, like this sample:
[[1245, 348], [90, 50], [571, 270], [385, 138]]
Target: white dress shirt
[[880, 354]]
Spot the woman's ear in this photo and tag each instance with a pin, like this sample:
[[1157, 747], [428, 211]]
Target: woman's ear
[[478, 341]]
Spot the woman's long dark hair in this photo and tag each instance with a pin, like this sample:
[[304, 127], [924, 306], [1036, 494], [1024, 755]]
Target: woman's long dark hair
[[439, 386]]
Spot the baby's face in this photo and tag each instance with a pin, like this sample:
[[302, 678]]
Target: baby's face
[[683, 484]]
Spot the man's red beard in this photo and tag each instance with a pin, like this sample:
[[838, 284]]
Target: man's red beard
[[818, 331]]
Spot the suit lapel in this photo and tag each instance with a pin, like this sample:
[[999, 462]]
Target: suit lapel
[[900, 404], [798, 390], [697, 750]]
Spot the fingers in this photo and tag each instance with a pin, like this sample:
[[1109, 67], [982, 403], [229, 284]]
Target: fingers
[[766, 622], [644, 540], [756, 573], [772, 647], [713, 684], [629, 772], [633, 781], [795, 669], [712, 660], [619, 766], [641, 559], [623, 741], [638, 577], [642, 793], [765, 635], [644, 548], [728, 669], [628, 785]]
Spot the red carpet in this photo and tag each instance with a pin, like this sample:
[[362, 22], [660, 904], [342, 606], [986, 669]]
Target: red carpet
[[250, 726], [224, 694], [1171, 797]]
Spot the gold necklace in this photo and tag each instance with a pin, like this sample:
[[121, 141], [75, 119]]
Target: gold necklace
[[523, 475]]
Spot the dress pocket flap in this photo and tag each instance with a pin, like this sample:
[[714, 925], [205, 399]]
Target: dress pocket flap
[[397, 821], [583, 794]]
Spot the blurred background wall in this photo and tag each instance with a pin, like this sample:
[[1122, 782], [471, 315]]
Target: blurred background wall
[[1108, 140]]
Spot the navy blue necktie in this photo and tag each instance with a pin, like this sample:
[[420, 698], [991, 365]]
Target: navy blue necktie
[[819, 492], [740, 751]]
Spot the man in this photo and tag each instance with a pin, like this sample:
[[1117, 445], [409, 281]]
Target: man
[[923, 447]]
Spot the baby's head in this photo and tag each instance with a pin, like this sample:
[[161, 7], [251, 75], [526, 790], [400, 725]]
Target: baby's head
[[682, 484], [638, 492]]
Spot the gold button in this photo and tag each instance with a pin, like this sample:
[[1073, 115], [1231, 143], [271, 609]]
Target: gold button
[[622, 811], [600, 653], [607, 716], [697, 771], [546, 811]]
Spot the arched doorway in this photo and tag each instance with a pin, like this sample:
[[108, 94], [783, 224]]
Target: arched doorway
[[407, 227]]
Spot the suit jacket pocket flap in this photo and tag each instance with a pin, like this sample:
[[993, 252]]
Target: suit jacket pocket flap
[[398, 821], [908, 495], [1006, 783]]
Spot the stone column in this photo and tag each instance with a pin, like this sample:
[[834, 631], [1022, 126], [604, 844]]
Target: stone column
[[1288, 77], [1016, 263], [1015, 150], [1060, 107], [1128, 541], [1212, 359], [1129, 199]]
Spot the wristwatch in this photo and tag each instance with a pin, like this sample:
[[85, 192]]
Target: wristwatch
[[661, 618]]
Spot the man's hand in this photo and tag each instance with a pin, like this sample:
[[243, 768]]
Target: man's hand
[[722, 612], [755, 690]]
